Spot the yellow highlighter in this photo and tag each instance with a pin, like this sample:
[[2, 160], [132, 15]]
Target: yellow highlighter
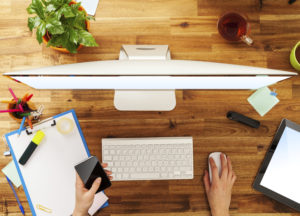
[[37, 139]]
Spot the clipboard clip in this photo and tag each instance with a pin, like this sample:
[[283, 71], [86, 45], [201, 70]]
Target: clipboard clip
[[39, 123]]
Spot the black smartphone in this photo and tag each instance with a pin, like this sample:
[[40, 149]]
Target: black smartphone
[[89, 170]]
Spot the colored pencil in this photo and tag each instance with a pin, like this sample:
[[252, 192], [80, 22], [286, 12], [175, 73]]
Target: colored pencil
[[21, 126], [13, 94], [10, 110], [6, 101], [24, 98], [15, 193], [29, 97], [24, 114], [16, 99], [29, 122]]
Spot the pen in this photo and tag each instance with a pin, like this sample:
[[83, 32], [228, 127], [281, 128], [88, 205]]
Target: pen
[[16, 99], [21, 126], [37, 139], [17, 198]]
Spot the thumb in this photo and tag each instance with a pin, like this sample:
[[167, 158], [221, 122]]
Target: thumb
[[95, 185]]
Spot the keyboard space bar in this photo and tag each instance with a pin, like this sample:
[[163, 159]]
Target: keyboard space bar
[[144, 176]]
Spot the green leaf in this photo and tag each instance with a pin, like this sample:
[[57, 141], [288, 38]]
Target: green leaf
[[59, 3], [71, 47], [87, 39], [33, 22], [50, 8], [90, 17], [36, 7], [56, 41], [63, 41], [54, 26], [41, 31], [45, 2], [75, 6], [74, 36], [67, 11], [79, 21]]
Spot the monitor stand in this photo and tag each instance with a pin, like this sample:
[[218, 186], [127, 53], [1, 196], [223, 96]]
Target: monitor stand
[[144, 100]]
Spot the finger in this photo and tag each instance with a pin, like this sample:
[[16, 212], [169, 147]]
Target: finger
[[79, 182], [108, 172], [214, 170], [206, 181], [110, 177], [229, 164], [95, 186], [224, 172], [104, 165], [233, 178]]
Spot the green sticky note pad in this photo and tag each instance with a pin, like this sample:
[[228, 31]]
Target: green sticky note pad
[[262, 100], [11, 172]]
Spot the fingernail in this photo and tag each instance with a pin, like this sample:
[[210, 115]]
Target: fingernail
[[98, 180]]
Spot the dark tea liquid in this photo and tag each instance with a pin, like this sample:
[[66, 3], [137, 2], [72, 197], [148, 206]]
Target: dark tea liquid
[[232, 26]]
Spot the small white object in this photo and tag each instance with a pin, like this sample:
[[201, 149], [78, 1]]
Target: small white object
[[150, 158], [6, 153], [216, 157], [99, 199]]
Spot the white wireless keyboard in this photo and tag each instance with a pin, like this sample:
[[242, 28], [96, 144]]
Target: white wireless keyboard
[[158, 158]]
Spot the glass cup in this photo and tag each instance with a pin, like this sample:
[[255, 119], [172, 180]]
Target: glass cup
[[233, 26]]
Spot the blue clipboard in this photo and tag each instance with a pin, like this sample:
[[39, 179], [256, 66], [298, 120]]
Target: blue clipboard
[[17, 164]]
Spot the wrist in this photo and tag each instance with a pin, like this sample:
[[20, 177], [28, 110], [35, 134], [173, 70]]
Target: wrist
[[219, 213], [80, 212]]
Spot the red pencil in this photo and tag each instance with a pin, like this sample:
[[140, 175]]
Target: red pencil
[[29, 97]]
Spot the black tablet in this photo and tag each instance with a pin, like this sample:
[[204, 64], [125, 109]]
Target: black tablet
[[279, 174]]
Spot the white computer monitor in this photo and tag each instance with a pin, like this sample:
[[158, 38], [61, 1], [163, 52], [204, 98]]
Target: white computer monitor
[[155, 78]]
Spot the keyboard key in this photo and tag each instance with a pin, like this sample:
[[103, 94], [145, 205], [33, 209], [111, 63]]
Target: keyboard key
[[110, 164], [107, 158], [144, 175]]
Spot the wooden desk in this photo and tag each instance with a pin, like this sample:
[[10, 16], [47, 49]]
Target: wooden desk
[[189, 27]]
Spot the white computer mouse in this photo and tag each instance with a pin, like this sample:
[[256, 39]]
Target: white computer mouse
[[217, 159]]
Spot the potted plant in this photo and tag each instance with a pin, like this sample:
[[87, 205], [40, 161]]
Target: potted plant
[[61, 24]]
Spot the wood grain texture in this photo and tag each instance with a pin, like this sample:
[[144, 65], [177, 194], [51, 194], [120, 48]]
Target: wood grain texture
[[189, 28]]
